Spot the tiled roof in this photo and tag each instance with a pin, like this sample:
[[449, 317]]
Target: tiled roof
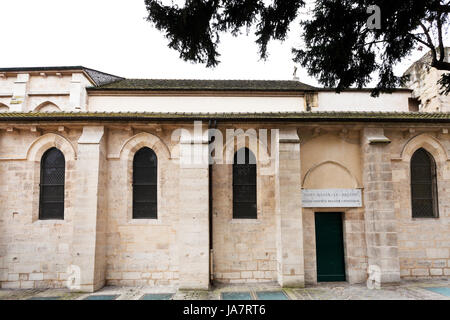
[[205, 85], [101, 78], [420, 117]]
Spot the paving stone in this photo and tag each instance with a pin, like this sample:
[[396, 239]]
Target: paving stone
[[236, 296], [445, 291], [157, 296], [406, 290], [45, 298], [102, 297], [271, 295]]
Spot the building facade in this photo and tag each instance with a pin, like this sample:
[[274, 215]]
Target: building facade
[[112, 181], [423, 80]]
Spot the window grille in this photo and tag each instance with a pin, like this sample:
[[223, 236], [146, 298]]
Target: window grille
[[145, 173], [244, 185], [51, 202], [423, 185]]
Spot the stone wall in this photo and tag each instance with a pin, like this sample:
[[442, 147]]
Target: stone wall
[[424, 243], [354, 244], [33, 253], [99, 234], [423, 80], [24, 92], [379, 212], [141, 252], [244, 250], [330, 158]]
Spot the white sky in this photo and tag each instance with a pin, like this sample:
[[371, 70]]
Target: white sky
[[113, 36]]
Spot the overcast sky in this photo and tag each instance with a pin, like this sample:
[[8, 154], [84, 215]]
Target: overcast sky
[[113, 36]]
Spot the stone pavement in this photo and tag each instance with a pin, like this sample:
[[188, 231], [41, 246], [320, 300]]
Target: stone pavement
[[407, 290]]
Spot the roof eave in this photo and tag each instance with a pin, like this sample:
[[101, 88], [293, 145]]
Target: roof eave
[[273, 117]]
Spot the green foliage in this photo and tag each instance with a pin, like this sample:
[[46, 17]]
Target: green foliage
[[340, 50], [193, 30]]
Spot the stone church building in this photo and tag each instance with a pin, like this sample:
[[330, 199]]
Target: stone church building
[[113, 181]]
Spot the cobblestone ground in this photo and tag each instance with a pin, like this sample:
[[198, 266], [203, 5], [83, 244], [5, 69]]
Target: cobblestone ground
[[407, 290]]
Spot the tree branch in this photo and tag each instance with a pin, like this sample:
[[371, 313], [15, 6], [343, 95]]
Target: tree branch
[[441, 41], [443, 8], [441, 65], [415, 37], [430, 42], [375, 42]]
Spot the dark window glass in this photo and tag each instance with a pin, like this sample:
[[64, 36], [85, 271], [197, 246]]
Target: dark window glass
[[244, 185], [145, 173], [423, 185], [51, 202]]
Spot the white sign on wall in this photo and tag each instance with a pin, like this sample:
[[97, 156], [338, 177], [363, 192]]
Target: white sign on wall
[[331, 198]]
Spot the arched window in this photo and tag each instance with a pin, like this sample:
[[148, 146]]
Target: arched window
[[51, 202], [244, 185], [4, 107], [423, 185], [47, 107], [145, 174]]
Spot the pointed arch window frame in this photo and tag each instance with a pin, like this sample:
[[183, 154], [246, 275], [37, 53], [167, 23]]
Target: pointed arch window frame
[[427, 183], [145, 188], [244, 186], [52, 185]]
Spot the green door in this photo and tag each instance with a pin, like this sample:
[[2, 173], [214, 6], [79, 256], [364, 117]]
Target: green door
[[329, 247]]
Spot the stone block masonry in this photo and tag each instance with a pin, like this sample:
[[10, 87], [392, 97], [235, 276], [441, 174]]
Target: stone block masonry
[[99, 235], [290, 261], [379, 216], [89, 236], [193, 226]]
